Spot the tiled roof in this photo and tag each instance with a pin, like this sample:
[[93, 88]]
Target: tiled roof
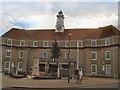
[[50, 34]]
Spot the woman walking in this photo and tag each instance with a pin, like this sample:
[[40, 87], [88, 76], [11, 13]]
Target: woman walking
[[80, 77]]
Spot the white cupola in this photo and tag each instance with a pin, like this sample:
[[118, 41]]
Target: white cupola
[[60, 22]]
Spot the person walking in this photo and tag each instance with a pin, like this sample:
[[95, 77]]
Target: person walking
[[80, 77]]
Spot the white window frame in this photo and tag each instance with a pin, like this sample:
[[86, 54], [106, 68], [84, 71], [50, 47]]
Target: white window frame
[[43, 56], [95, 55], [66, 44], [44, 45], [107, 41], [66, 55], [93, 42], [19, 65], [79, 43], [21, 43], [106, 55], [5, 65], [20, 53], [9, 40], [106, 66], [7, 52], [34, 45], [95, 69]]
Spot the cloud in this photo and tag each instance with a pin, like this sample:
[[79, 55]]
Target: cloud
[[31, 15]]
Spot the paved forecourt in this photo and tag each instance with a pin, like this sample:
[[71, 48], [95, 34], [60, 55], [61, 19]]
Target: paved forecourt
[[55, 83]]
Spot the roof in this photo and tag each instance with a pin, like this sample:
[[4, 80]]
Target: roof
[[50, 34]]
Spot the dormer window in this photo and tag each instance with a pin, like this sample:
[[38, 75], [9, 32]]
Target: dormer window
[[79, 44], [107, 41], [22, 43], [93, 43], [35, 43], [45, 44], [67, 44], [9, 42]]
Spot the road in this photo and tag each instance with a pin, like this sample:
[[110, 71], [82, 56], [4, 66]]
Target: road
[[61, 89]]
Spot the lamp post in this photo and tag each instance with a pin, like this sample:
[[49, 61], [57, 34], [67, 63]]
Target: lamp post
[[69, 59]]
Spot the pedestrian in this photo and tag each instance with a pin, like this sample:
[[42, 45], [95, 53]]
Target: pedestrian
[[77, 75], [80, 77]]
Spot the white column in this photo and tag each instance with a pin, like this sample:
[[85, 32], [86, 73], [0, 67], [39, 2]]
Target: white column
[[58, 71]]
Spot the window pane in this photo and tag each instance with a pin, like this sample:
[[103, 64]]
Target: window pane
[[21, 54], [93, 43], [108, 69], [93, 55], [79, 44], [20, 65], [107, 41], [93, 68], [67, 44], [107, 55], [8, 53], [45, 44], [7, 64], [22, 43], [9, 42], [67, 55], [35, 44], [45, 55]]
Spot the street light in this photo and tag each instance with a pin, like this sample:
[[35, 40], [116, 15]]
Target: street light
[[69, 59]]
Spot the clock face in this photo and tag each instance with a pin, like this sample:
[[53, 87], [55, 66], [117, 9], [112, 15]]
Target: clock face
[[59, 28]]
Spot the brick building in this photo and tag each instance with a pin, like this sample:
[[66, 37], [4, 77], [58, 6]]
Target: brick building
[[96, 50]]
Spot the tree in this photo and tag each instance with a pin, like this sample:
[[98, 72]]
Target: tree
[[55, 50]]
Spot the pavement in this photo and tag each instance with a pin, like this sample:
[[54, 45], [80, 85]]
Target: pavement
[[56, 83]]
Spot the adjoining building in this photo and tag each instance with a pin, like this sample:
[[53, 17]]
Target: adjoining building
[[95, 50]]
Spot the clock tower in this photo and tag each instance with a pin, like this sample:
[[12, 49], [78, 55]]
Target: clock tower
[[60, 22]]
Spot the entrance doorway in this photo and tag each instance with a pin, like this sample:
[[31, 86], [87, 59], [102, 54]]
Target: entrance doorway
[[42, 67], [53, 69]]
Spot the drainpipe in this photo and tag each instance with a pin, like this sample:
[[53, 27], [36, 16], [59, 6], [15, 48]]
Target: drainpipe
[[113, 62], [77, 57]]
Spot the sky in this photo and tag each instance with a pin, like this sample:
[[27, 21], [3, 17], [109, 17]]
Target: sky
[[39, 14]]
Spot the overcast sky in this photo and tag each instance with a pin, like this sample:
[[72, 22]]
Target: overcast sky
[[39, 15]]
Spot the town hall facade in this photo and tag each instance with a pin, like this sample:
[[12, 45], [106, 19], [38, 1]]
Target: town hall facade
[[95, 50]]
